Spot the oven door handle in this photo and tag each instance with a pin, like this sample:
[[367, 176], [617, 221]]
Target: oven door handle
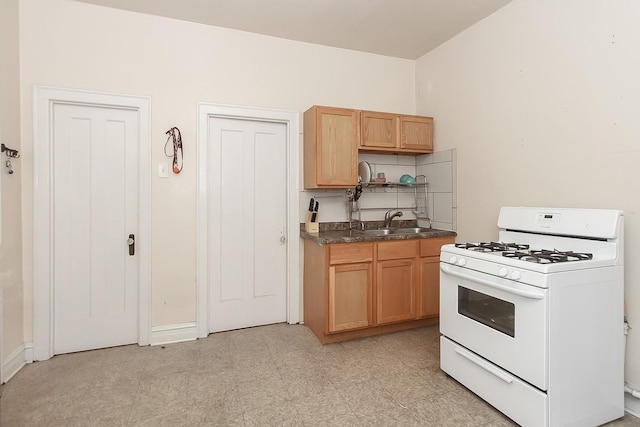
[[484, 365], [527, 294]]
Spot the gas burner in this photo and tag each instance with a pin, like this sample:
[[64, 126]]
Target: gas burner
[[492, 246], [545, 256]]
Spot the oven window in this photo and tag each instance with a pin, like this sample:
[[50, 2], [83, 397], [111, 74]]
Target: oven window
[[493, 312]]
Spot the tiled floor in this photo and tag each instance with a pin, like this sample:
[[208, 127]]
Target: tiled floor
[[272, 375]]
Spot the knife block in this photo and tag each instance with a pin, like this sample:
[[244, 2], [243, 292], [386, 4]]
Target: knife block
[[311, 227]]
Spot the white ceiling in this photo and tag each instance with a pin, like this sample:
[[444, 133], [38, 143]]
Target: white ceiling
[[398, 28]]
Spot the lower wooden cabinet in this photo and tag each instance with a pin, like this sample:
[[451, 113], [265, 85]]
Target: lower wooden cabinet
[[349, 300], [353, 290], [428, 292], [429, 287], [338, 287], [396, 280], [395, 290]]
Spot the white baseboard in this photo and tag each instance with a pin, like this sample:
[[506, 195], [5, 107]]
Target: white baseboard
[[15, 361], [178, 332], [28, 352], [632, 405]]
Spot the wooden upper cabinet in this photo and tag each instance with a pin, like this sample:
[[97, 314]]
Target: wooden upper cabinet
[[400, 134], [378, 130], [331, 138], [416, 133]]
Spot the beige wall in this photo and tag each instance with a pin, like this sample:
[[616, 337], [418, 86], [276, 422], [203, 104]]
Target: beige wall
[[541, 101], [10, 186], [541, 90], [77, 45]]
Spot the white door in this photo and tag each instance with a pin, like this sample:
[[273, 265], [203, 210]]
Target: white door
[[247, 222], [95, 199]]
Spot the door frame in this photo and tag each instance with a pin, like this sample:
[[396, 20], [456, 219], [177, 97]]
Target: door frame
[[292, 121], [44, 99]]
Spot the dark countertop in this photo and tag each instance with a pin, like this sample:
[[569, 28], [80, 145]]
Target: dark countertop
[[339, 233]]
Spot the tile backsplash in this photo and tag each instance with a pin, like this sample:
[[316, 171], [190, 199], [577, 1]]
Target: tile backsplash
[[439, 169]]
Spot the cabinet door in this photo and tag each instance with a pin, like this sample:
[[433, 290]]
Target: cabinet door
[[429, 287], [378, 130], [416, 133], [331, 147], [350, 287], [395, 290]]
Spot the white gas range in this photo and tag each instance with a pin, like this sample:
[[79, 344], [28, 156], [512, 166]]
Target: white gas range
[[533, 323]]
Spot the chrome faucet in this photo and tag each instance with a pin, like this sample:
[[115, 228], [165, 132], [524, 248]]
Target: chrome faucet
[[388, 216]]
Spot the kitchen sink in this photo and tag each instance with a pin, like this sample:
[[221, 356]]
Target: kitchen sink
[[410, 230], [378, 232], [387, 231]]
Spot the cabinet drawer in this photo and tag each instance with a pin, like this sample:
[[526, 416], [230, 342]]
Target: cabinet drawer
[[398, 249], [350, 253], [498, 387], [431, 247]]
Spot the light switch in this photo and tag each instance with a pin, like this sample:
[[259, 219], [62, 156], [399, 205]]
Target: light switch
[[163, 170]]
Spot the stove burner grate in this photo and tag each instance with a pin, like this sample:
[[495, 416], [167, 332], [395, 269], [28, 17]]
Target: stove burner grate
[[545, 256], [492, 246]]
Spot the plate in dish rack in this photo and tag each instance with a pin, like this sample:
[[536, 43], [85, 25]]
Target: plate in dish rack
[[364, 170]]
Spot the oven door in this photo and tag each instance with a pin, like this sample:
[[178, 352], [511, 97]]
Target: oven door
[[503, 321]]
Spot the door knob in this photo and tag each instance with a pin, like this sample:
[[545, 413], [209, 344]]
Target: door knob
[[282, 240], [131, 241]]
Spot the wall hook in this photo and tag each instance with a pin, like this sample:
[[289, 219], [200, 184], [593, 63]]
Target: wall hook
[[176, 137], [10, 152]]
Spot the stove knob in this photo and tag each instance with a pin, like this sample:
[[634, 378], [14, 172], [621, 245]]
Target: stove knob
[[502, 272], [516, 275], [462, 262], [453, 259]]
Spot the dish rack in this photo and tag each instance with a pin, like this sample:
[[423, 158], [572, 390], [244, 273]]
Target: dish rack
[[420, 188], [420, 194]]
